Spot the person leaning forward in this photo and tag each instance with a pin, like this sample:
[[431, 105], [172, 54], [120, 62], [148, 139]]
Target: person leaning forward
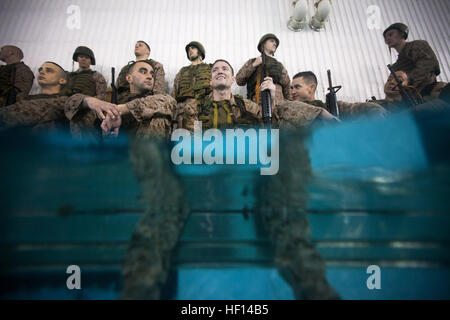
[[142, 52], [250, 73], [141, 112], [42, 111], [16, 78]]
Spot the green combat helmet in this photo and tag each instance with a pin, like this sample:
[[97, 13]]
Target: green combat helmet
[[403, 28], [198, 45], [264, 38], [86, 51]]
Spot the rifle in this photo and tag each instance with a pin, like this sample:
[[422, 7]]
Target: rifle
[[331, 99], [406, 96], [12, 95], [113, 87], [266, 98]]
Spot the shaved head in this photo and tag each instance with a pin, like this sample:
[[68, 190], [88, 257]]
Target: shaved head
[[11, 54]]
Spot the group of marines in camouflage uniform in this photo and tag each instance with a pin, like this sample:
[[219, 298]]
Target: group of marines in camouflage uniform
[[202, 92]]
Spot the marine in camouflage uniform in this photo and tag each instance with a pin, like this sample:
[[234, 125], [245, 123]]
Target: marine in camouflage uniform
[[416, 58], [142, 52], [141, 113], [43, 111], [16, 78], [193, 82], [250, 73], [303, 88], [86, 81], [147, 261]]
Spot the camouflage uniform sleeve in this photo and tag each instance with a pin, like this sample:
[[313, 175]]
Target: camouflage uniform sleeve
[[32, 112], [295, 113], [347, 109], [160, 79], [426, 62], [187, 114], [158, 105], [245, 72], [254, 109], [74, 105], [100, 86], [286, 84], [24, 81]]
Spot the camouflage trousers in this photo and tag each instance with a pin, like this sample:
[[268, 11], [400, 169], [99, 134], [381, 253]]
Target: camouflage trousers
[[282, 200]]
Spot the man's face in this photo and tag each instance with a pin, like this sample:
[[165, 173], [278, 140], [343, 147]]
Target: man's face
[[142, 77], [50, 75], [392, 38], [270, 46], [140, 49], [193, 53], [391, 83], [302, 91], [84, 61], [221, 76]]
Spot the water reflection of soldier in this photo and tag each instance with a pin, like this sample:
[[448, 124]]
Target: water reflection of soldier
[[147, 261], [142, 52], [303, 88], [141, 112], [250, 73], [416, 58], [16, 78], [44, 110], [84, 80]]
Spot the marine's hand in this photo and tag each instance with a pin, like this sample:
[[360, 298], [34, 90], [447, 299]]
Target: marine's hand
[[110, 127], [269, 85], [257, 62], [102, 108]]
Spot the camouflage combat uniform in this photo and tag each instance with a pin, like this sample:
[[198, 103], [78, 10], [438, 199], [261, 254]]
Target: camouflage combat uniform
[[249, 75], [420, 63], [350, 110], [192, 82], [38, 112], [147, 261], [243, 112], [18, 76], [150, 115], [87, 82], [123, 87]]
